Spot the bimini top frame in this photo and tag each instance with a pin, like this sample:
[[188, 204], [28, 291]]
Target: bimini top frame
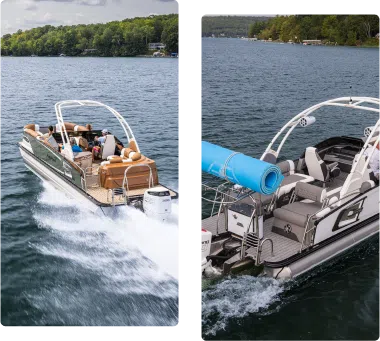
[[360, 103], [86, 103]]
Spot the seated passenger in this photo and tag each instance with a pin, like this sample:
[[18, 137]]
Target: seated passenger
[[374, 161], [118, 148], [49, 133], [83, 143], [48, 137], [74, 147], [98, 141], [102, 138]]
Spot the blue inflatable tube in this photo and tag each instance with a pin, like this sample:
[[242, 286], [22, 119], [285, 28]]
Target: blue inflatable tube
[[240, 169]]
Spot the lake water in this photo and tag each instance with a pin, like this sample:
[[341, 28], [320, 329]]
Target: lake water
[[61, 265], [250, 90]]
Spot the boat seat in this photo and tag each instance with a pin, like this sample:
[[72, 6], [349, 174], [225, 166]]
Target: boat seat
[[108, 147], [83, 159], [81, 142], [290, 220], [70, 127], [317, 168], [288, 183], [112, 173]]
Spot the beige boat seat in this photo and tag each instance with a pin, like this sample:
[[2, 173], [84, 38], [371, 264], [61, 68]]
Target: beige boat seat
[[81, 142], [83, 159], [290, 220], [70, 127]]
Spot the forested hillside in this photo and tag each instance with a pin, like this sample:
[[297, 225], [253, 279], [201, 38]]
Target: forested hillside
[[129, 37], [228, 26], [341, 29]]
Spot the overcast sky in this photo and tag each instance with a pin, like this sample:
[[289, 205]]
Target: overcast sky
[[255, 12], [26, 14]]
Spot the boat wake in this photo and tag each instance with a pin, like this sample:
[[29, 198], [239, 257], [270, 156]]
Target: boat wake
[[237, 297], [127, 263]]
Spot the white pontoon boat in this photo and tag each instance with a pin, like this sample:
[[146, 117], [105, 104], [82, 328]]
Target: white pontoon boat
[[115, 176], [327, 202]]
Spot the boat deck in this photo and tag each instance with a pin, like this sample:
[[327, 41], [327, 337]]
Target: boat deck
[[282, 247], [105, 195]]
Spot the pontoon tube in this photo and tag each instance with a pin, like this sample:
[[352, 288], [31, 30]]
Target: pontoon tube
[[240, 169]]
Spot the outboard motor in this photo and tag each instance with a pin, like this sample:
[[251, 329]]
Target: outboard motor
[[157, 203], [206, 265]]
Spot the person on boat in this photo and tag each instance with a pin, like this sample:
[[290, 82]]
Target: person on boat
[[102, 138], [48, 137], [49, 133], [374, 161], [99, 141], [74, 147], [89, 127]]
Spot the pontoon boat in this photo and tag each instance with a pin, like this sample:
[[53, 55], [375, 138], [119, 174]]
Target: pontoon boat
[[118, 175], [326, 203]]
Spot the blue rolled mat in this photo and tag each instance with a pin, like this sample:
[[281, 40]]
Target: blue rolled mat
[[257, 175]]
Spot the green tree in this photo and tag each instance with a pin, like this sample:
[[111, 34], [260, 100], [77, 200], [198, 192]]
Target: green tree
[[170, 35], [129, 37]]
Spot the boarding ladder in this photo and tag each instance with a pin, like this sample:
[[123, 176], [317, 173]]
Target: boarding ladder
[[124, 191]]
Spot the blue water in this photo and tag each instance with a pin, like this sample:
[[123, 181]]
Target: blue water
[[60, 264], [250, 90]]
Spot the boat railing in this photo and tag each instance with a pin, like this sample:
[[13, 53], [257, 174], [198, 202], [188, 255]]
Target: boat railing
[[252, 222], [90, 177], [260, 249], [225, 194], [308, 236], [125, 185]]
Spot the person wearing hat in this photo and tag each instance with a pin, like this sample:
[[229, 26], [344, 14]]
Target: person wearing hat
[[102, 138], [99, 141]]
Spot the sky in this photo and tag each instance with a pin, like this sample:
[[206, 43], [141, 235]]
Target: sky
[[255, 12], [26, 14]]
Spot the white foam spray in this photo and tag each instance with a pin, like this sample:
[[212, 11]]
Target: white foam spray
[[150, 246], [237, 297], [120, 271]]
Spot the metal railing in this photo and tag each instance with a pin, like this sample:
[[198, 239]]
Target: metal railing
[[311, 229], [260, 249], [125, 185], [114, 192], [89, 174], [244, 240]]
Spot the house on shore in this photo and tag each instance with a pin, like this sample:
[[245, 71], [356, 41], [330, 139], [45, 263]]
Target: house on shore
[[156, 46]]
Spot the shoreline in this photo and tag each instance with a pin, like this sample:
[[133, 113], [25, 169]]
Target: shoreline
[[283, 42], [138, 56]]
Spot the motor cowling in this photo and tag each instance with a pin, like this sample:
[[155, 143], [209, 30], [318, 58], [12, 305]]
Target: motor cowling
[[157, 203], [206, 248]]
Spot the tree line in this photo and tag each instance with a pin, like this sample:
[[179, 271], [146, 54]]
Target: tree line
[[228, 25], [129, 37], [340, 29]]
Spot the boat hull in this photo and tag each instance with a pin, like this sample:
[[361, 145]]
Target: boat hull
[[325, 253], [51, 177]]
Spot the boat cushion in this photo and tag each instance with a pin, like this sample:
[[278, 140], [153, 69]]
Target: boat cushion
[[315, 165], [108, 148], [287, 167], [287, 186], [297, 212], [83, 159], [311, 192], [112, 174]]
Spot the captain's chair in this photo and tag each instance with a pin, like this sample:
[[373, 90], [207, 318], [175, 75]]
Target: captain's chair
[[317, 168], [108, 148]]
